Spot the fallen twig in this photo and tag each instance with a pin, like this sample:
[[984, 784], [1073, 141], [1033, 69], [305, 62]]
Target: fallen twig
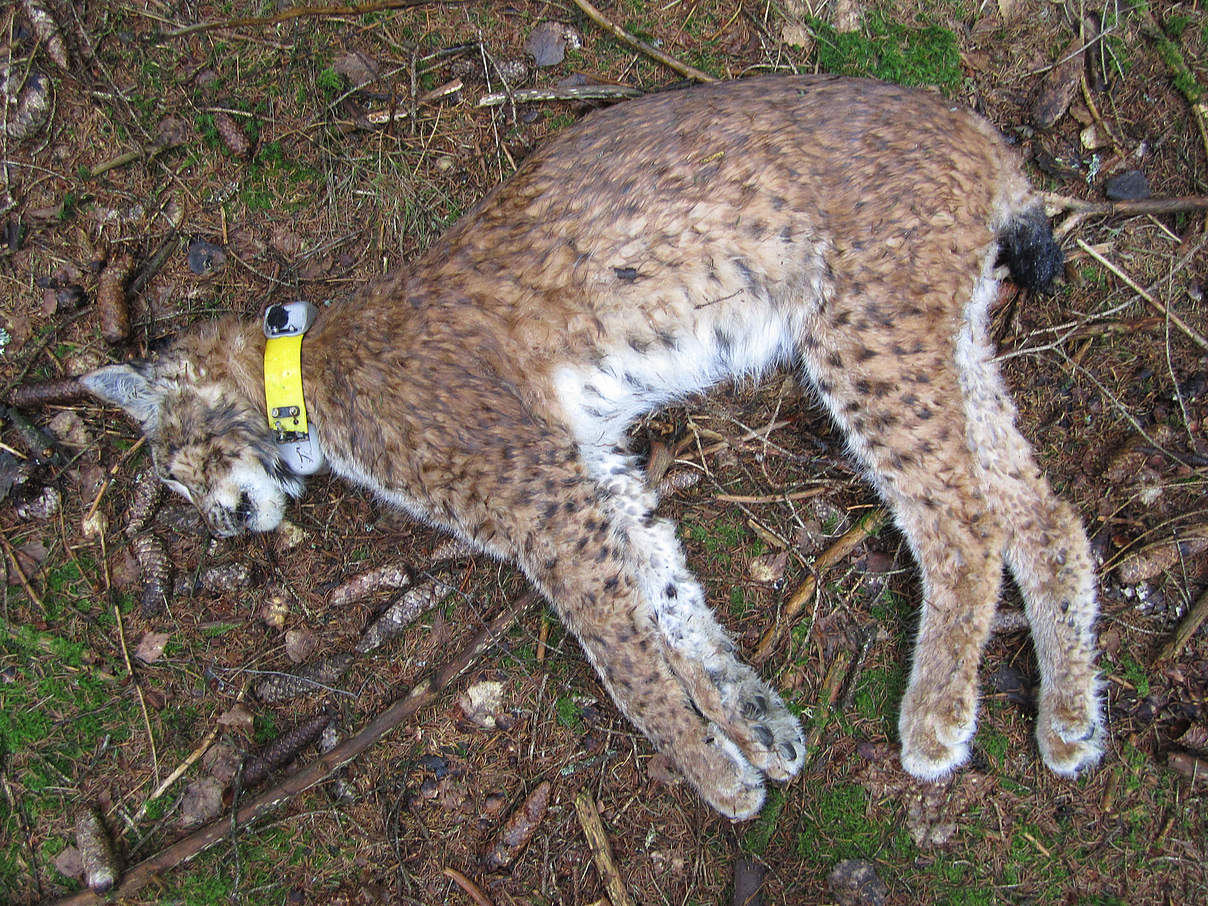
[[835, 675], [578, 93], [300, 12], [421, 696], [381, 117], [1178, 322], [1188, 765], [472, 890], [689, 72], [1127, 208], [1186, 629], [871, 522], [597, 842]]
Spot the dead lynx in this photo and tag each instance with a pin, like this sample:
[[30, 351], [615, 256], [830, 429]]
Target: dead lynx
[[847, 229]]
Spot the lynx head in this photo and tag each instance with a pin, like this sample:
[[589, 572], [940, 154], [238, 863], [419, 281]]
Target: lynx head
[[209, 440]]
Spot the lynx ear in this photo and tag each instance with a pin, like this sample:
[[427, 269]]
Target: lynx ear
[[126, 386]]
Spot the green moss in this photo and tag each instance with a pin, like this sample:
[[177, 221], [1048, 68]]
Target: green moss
[[882, 49], [568, 713], [760, 833], [835, 825], [329, 82]]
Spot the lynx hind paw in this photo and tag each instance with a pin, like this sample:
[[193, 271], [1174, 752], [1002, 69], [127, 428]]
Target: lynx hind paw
[[933, 748], [1071, 740]]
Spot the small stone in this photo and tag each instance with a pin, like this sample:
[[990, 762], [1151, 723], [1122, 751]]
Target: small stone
[[547, 43], [1130, 185], [854, 882], [205, 258]]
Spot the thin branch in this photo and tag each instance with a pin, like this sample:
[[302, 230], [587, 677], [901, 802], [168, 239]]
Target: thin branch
[[1127, 208], [688, 72], [1195, 617], [1178, 322], [421, 696], [580, 93], [300, 12]]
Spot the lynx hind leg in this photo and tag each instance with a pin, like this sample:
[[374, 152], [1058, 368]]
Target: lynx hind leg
[[701, 653], [898, 399], [1049, 556]]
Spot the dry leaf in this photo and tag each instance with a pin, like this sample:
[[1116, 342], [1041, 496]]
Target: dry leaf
[[275, 609], [222, 760], [360, 69], [237, 717], [69, 864], [151, 647], [1058, 87], [201, 802], [768, 567], [70, 430], [547, 42]]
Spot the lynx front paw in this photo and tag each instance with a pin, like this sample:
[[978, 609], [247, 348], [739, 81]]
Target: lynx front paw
[[768, 733], [1070, 732], [935, 742]]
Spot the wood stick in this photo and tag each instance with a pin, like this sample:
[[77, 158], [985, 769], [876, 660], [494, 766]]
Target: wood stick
[[688, 72], [1178, 322], [472, 890], [597, 841], [1186, 629], [421, 696], [579, 93], [1128, 208], [870, 523], [298, 12]]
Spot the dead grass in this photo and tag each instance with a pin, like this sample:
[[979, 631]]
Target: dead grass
[[323, 203]]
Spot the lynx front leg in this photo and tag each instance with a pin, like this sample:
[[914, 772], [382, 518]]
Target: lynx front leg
[[573, 547], [699, 650]]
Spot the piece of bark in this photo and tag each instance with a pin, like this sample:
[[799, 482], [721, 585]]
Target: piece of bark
[[1058, 87]]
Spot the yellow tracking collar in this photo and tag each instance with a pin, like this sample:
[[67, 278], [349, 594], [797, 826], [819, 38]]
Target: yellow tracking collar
[[283, 385], [297, 440]]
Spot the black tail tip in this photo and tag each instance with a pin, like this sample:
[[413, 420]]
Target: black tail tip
[[1028, 249]]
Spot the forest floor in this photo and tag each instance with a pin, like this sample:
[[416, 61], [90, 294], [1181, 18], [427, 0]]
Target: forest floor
[[299, 153]]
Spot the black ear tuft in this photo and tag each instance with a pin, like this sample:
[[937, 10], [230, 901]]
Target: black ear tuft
[[128, 386], [1027, 247]]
